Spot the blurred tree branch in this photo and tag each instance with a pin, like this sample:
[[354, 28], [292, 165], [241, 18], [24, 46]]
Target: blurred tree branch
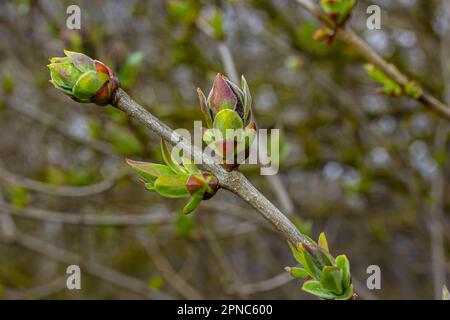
[[349, 37], [89, 219], [61, 190], [165, 268]]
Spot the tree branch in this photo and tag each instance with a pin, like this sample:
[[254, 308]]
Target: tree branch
[[88, 219], [233, 181], [349, 37]]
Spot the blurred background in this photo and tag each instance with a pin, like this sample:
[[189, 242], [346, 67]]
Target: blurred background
[[370, 170]]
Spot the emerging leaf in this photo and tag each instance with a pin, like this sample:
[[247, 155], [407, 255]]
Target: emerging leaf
[[390, 87], [343, 263], [193, 203], [331, 279], [297, 255], [150, 171], [323, 242], [298, 273], [172, 186], [413, 89], [167, 157], [310, 264], [314, 287]]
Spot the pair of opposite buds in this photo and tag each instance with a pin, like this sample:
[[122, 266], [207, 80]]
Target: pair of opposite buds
[[227, 108]]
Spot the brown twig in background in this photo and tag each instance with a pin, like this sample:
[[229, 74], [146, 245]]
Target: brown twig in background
[[83, 219], [62, 190], [349, 37], [223, 261], [165, 268], [106, 274]]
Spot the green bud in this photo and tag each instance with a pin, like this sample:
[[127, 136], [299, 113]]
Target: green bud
[[389, 86], [82, 78], [314, 287], [228, 107], [174, 180], [413, 89], [338, 10], [330, 278]]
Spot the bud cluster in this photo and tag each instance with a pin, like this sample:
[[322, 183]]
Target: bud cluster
[[174, 180], [230, 130], [327, 277], [82, 78]]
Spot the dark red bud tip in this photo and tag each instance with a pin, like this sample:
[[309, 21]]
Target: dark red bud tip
[[221, 94], [194, 184], [104, 94], [101, 67]]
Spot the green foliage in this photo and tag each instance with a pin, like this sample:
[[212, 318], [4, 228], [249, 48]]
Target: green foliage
[[298, 273], [73, 176], [338, 10], [156, 283], [413, 89], [304, 34], [327, 278], [184, 226], [183, 11], [130, 69], [18, 196], [123, 140], [216, 22], [389, 86], [173, 180], [8, 83]]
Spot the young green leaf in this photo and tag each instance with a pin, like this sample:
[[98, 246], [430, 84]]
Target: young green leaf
[[297, 255], [347, 295], [314, 287], [331, 279], [323, 242], [247, 99], [167, 157], [298, 273], [413, 89], [150, 186], [204, 108], [172, 186], [310, 265], [343, 263], [150, 171], [193, 203], [390, 87], [190, 166]]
